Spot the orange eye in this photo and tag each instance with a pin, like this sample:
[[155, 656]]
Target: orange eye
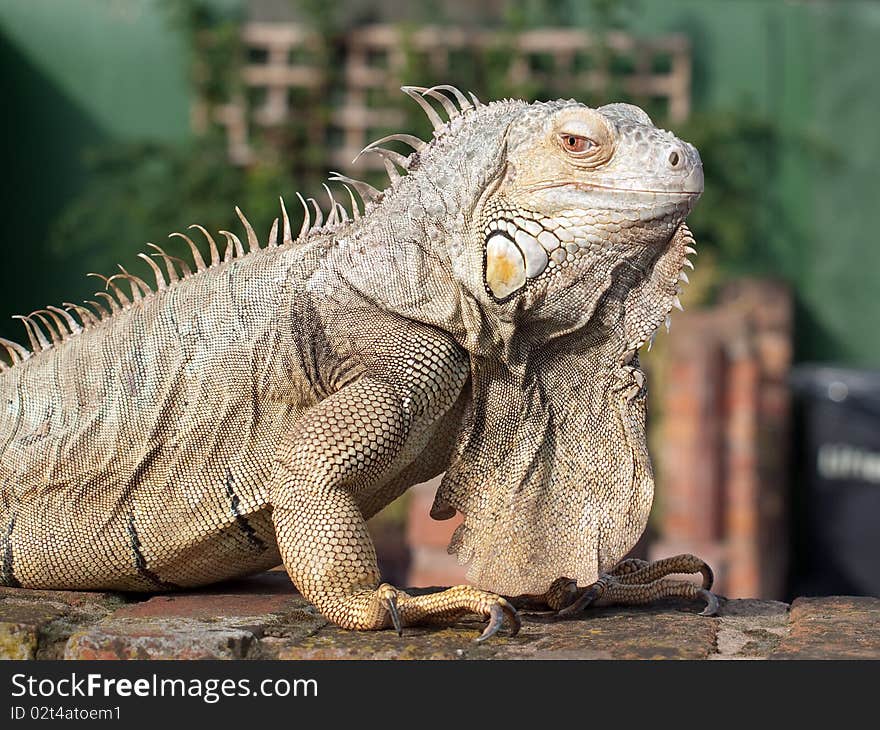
[[575, 143]]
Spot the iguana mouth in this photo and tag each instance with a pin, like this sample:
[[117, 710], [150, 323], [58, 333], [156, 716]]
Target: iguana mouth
[[586, 187]]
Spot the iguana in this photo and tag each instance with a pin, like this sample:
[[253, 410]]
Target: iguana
[[482, 317]]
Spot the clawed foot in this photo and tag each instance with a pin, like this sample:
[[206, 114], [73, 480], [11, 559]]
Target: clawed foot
[[632, 582], [402, 609], [635, 582], [497, 612]]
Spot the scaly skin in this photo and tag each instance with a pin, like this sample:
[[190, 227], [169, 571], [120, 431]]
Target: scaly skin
[[481, 318]]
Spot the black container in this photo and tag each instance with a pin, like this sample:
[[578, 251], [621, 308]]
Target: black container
[[836, 492]]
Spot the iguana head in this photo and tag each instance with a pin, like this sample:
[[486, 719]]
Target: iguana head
[[544, 208], [577, 185]]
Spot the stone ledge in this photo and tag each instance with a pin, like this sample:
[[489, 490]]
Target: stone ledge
[[264, 618]]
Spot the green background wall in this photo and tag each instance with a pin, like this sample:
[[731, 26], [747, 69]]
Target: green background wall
[[76, 74], [813, 67], [79, 73]]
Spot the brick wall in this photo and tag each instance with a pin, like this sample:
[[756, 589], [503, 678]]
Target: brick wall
[[262, 617], [719, 447], [722, 451]]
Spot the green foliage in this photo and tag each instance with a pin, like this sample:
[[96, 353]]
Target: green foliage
[[742, 217], [738, 213], [599, 15], [212, 34], [139, 192]]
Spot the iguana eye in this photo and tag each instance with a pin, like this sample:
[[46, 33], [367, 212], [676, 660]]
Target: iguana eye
[[576, 144]]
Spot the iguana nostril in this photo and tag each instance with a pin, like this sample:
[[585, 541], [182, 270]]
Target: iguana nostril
[[673, 158]]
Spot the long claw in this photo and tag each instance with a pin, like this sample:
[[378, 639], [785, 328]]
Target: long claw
[[391, 605], [496, 621], [711, 603], [512, 616], [497, 614], [586, 598]]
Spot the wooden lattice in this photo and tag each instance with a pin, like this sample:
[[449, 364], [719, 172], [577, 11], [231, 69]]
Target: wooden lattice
[[283, 77]]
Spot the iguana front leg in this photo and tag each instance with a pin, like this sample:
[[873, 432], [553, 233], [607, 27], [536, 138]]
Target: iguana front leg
[[346, 444], [634, 582]]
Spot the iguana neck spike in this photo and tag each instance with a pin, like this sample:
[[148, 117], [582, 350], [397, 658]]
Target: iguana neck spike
[[16, 352], [100, 310], [307, 221], [319, 215], [393, 175], [285, 220], [444, 100], [416, 93], [88, 319], [234, 248], [112, 303], [355, 208], [139, 288], [71, 323], [385, 153], [160, 279], [417, 144], [212, 246], [169, 263], [367, 192], [135, 291], [124, 301], [332, 218], [54, 330], [35, 335], [463, 102], [253, 242], [197, 256]]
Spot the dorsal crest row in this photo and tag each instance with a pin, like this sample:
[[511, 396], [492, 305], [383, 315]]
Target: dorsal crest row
[[52, 326]]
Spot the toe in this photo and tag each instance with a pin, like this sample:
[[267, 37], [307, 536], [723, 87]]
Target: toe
[[388, 597], [496, 620], [498, 611], [512, 616], [711, 603], [585, 599], [708, 576]]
